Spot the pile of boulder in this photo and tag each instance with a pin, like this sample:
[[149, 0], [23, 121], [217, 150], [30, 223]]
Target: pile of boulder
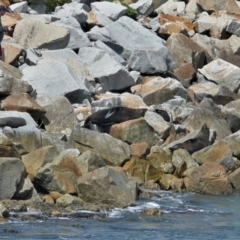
[[94, 63]]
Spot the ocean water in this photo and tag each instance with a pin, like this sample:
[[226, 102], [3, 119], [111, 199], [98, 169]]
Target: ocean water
[[185, 216]]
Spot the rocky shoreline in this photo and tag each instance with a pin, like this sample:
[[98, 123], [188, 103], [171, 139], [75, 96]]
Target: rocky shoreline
[[166, 74]]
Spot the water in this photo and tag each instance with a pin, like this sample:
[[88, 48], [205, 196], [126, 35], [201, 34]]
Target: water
[[185, 216]]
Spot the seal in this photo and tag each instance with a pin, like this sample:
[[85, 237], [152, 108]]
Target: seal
[[233, 122], [107, 117], [200, 141], [163, 114], [13, 122]]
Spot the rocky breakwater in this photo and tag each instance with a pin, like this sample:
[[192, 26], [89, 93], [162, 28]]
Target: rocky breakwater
[[109, 101]]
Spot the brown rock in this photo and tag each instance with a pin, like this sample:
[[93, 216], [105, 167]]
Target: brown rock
[[48, 198], [36, 159], [55, 195], [160, 160], [151, 212], [12, 52], [209, 178], [23, 102], [142, 170], [174, 24], [168, 181], [218, 153], [140, 149], [181, 49], [234, 178]]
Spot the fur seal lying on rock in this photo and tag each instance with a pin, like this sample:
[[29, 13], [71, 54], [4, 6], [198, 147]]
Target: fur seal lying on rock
[[233, 122], [113, 115], [163, 114], [201, 140], [13, 122]]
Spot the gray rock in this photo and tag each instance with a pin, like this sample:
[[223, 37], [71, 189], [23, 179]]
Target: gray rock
[[150, 61], [59, 113], [112, 76], [144, 7], [129, 35], [31, 57], [111, 150], [61, 81], [101, 45], [110, 9], [11, 170], [19, 7], [37, 8], [107, 186], [223, 73], [78, 38], [233, 27]]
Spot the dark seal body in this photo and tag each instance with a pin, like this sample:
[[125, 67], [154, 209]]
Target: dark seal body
[[113, 115], [195, 144], [13, 122], [233, 122]]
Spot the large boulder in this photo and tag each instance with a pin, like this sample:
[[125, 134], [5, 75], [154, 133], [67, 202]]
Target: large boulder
[[11, 171], [107, 185], [111, 150], [60, 81], [209, 178], [34, 34]]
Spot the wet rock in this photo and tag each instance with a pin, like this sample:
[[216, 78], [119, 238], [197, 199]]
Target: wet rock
[[67, 199], [151, 212]]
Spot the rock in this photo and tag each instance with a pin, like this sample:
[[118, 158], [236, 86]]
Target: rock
[[218, 153], [114, 77], [129, 34], [151, 212], [174, 24], [25, 190], [206, 113], [61, 174], [12, 52], [150, 61], [25, 139], [142, 170], [234, 178], [89, 161], [21, 7], [160, 160], [172, 8], [77, 39], [62, 80], [133, 131], [214, 5], [11, 170], [158, 90], [109, 9], [209, 178], [23, 103], [223, 73], [233, 143], [171, 182], [73, 9], [30, 33], [140, 149], [36, 159], [181, 49], [111, 150], [143, 7], [7, 149], [107, 186], [158, 124], [67, 199], [59, 113]]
